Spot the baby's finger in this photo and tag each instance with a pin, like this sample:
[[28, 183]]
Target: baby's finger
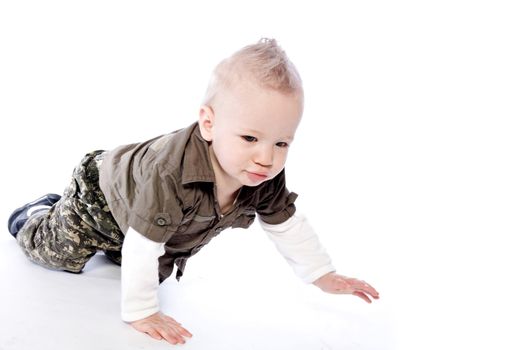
[[184, 331], [372, 291], [341, 285], [152, 332], [365, 287], [172, 319], [362, 296], [173, 324], [172, 336]]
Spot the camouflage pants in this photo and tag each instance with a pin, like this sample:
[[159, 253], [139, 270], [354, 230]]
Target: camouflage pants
[[67, 235]]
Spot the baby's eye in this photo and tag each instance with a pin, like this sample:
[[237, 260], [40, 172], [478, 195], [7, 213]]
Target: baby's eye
[[249, 138], [282, 144]]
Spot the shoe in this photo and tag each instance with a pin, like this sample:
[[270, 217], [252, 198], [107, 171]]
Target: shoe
[[19, 217]]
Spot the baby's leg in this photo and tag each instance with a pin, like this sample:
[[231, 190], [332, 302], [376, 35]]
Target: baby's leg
[[50, 240], [66, 236]]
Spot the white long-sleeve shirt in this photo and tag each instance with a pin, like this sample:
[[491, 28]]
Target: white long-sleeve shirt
[[297, 242], [294, 239], [140, 276]]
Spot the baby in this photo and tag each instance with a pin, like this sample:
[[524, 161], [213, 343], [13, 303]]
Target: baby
[[152, 205]]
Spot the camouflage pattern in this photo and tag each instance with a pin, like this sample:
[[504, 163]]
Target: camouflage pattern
[[67, 235]]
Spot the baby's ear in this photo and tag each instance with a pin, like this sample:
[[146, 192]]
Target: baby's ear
[[206, 119]]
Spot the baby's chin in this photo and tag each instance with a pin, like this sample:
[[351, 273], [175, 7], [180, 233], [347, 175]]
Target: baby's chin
[[253, 184]]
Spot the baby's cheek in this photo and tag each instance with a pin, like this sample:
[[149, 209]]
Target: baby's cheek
[[275, 172], [229, 156], [236, 161], [279, 163], [237, 156]]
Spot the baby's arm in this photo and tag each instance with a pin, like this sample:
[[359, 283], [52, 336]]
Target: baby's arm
[[297, 242], [140, 283], [299, 245]]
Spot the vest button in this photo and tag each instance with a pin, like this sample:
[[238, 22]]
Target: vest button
[[162, 219]]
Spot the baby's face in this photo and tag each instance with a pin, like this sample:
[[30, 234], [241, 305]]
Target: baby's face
[[251, 132]]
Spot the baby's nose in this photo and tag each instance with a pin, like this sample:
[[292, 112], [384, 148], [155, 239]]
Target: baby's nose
[[264, 156]]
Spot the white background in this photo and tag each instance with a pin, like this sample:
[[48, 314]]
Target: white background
[[409, 161]]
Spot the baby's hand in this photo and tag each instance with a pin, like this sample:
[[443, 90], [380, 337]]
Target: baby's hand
[[160, 326], [338, 284]]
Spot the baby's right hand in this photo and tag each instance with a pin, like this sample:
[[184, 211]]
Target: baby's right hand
[[160, 326]]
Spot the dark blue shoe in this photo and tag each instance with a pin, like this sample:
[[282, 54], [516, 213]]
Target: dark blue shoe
[[19, 216]]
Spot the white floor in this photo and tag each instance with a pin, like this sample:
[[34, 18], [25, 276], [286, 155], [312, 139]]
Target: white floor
[[224, 306]]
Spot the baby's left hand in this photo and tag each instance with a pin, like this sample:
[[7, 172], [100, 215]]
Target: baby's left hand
[[339, 284]]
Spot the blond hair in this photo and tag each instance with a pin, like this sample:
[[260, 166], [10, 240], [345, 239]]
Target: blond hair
[[264, 63]]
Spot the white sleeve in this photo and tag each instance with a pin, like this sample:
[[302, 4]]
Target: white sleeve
[[140, 276], [299, 245]]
